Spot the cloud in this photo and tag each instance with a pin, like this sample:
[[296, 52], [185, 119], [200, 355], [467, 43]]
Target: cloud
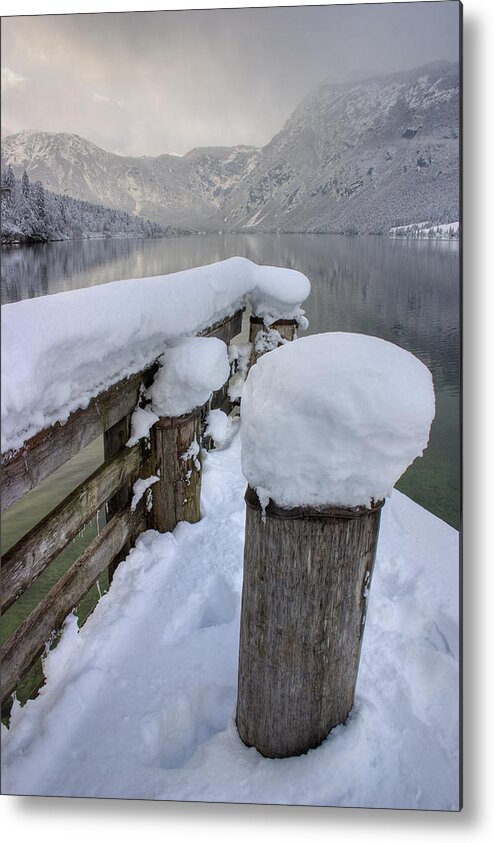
[[11, 79], [155, 82]]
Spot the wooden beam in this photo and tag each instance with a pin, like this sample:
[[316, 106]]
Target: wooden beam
[[227, 329], [113, 440], [28, 641], [50, 448], [26, 560]]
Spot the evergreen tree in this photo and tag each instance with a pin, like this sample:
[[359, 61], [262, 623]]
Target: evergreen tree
[[31, 213], [8, 178], [63, 210], [25, 186], [39, 200]]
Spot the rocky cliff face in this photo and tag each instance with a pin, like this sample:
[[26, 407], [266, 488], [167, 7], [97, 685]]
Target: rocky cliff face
[[356, 157]]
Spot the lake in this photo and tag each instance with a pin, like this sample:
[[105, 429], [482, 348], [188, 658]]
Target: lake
[[406, 291]]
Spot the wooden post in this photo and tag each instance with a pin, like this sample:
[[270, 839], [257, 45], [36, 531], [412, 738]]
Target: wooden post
[[307, 575], [176, 443], [286, 328]]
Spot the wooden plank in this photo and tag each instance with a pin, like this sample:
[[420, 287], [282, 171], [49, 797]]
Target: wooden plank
[[28, 642], [227, 329], [304, 599], [50, 448], [219, 397], [113, 440], [25, 561]]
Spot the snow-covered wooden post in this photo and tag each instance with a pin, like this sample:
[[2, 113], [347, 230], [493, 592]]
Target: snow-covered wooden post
[[329, 424], [265, 338], [177, 495], [276, 312], [190, 371]]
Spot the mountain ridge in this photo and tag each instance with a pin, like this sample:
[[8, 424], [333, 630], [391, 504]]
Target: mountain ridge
[[352, 157]]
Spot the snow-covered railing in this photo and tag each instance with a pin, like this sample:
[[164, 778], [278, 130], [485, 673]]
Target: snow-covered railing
[[119, 360], [60, 351]]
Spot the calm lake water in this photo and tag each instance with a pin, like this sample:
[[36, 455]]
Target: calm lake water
[[405, 291]]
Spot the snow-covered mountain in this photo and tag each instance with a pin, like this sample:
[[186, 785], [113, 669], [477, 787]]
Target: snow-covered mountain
[[360, 156], [164, 188]]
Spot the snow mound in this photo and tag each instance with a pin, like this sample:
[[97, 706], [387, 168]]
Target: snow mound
[[60, 351], [139, 488], [189, 372], [334, 419], [141, 422], [220, 427], [239, 354]]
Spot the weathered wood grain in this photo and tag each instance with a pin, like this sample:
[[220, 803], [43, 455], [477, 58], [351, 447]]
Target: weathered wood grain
[[114, 440], [26, 560], [227, 329], [218, 398], [303, 611], [28, 641], [176, 497], [287, 329], [50, 448]]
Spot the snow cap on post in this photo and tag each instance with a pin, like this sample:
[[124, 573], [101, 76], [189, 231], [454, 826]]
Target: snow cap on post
[[334, 420], [190, 371], [278, 294]]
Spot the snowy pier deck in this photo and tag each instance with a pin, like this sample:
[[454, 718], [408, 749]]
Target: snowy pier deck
[[140, 701]]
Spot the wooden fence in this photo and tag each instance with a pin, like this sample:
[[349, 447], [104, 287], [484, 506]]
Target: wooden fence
[[110, 485]]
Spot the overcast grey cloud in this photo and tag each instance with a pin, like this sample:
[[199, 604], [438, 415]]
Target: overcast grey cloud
[[155, 82]]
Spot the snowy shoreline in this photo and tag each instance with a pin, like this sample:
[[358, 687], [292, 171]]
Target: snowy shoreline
[[180, 234], [426, 231], [31, 241]]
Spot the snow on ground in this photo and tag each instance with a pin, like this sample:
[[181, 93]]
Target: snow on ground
[[59, 351], [334, 419], [140, 703]]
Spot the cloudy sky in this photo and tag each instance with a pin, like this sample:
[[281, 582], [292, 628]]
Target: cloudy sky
[[153, 82]]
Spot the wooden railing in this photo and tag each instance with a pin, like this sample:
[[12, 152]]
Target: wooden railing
[[110, 485]]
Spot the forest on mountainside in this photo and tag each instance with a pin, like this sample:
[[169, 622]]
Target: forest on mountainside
[[32, 214]]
